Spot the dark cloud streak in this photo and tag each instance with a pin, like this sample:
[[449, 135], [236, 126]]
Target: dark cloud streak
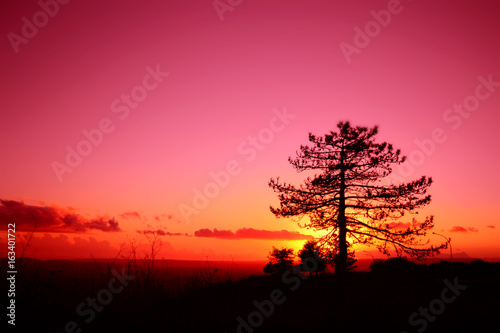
[[462, 229], [50, 219], [128, 215], [251, 233], [162, 233]]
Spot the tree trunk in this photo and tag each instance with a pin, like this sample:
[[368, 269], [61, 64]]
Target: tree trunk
[[341, 264]]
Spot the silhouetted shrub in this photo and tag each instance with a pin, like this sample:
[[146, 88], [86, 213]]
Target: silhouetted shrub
[[398, 265], [280, 260]]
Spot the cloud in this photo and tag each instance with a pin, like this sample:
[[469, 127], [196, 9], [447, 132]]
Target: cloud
[[268, 234], [446, 254], [103, 224], [50, 219], [79, 246], [163, 217], [130, 215], [458, 229], [162, 233], [253, 234], [490, 226], [216, 233], [462, 229], [61, 246], [401, 225]]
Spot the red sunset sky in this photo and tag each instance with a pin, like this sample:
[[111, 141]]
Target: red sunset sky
[[181, 91]]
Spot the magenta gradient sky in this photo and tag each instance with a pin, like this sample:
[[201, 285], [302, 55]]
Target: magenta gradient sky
[[225, 79]]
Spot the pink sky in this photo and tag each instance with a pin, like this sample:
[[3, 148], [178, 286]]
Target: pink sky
[[228, 81]]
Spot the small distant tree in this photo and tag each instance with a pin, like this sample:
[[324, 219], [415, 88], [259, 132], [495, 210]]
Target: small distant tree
[[280, 260], [311, 257]]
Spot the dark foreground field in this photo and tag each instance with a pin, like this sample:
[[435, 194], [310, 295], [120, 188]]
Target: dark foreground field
[[394, 297]]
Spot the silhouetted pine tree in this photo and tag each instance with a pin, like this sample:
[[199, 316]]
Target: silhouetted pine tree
[[348, 198]]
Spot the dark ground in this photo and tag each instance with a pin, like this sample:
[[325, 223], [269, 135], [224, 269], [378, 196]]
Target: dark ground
[[379, 301]]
